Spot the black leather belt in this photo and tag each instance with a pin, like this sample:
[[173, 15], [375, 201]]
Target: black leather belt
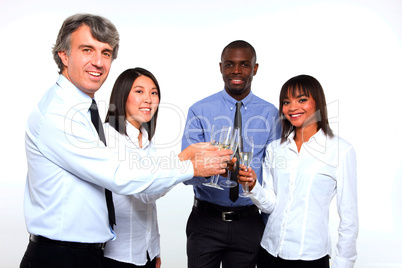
[[226, 213], [47, 241]]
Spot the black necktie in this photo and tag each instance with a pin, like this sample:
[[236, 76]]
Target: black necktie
[[234, 192], [99, 128]]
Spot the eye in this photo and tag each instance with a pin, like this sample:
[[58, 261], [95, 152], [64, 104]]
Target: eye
[[285, 102], [107, 54], [155, 93], [86, 50], [138, 91], [303, 100]]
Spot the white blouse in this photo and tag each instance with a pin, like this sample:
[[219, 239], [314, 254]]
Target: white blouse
[[297, 192], [136, 217]]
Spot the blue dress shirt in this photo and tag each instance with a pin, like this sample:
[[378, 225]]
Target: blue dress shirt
[[69, 168], [259, 119]]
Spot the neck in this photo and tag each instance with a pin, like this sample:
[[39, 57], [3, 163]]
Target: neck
[[303, 134], [135, 123], [240, 96], [140, 139]]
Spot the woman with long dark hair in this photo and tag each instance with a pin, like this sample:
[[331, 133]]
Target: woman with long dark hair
[[303, 171], [130, 124]]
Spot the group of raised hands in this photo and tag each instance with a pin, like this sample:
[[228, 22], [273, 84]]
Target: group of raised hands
[[208, 161]]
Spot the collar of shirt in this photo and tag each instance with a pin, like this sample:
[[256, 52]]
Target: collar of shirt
[[72, 91], [231, 102], [317, 142], [75, 96], [133, 132]]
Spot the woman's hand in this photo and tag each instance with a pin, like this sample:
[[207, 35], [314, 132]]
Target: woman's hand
[[158, 262], [247, 176]]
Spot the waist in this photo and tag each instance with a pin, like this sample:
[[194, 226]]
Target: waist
[[46, 241], [226, 213]]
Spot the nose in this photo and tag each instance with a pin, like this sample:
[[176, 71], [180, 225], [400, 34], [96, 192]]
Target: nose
[[148, 98], [293, 106], [237, 69], [97, 60]]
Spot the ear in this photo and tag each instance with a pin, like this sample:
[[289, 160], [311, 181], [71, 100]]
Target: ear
[[220, 66], [64, 57], [255, 68]]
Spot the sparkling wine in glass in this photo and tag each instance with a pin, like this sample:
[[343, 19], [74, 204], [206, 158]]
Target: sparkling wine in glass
[[246, 157], [214, 179], [233, 143]]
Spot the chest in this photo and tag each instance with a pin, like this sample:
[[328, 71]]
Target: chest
[[310, 171]]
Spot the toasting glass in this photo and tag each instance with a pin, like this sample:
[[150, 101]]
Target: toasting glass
[[246, 156], [230, 140], [214, 179]]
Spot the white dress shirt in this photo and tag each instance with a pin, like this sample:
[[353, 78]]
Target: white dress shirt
[[69, 167], [299, 187], [136, 217]]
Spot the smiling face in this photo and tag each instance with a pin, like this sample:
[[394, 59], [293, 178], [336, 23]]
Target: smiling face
[[300, 110], [88, 63], [142, 101], [238, 68]]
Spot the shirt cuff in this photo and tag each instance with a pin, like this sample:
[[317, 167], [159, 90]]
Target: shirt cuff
[[186, 172]]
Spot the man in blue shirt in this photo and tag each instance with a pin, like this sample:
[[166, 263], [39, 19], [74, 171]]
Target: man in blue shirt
[[220, 229]]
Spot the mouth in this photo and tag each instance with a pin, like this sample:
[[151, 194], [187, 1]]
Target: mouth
[[147, 110], [96, 74], [236, 80], [295, 116]]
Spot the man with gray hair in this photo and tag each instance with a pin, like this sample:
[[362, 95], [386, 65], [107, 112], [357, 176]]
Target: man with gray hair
[[69, 165]]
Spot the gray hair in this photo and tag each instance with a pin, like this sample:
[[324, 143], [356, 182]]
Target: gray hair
[[102, 30]]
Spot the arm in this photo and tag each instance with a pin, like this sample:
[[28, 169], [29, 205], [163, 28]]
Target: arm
[[347, 209], [264, 197], [193, 133], [68, 141], [150, 198]]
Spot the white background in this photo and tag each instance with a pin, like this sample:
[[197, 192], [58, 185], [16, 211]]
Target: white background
[[353, 47]]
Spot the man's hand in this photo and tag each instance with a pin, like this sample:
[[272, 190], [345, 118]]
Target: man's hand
[[207, 160], [196, 148]]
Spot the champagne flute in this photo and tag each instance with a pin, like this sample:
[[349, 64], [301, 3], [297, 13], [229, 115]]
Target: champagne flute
[[214, 179], [232, 139], [246, 156]]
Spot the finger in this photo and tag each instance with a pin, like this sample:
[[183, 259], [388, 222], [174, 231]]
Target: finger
[[201, 145], [211, 148], [225, 152]]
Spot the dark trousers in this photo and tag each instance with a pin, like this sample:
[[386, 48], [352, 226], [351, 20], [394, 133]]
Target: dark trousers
[[109, 263], [211, 241], [55, 256], [262, 259], [276, 262]]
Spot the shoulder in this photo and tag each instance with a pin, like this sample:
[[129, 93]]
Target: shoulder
[[276, 145], [343, 147], [263, 104], [342, 143], [207, 101]]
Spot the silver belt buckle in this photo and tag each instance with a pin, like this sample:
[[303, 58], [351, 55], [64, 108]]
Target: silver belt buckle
[[224, 213]]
